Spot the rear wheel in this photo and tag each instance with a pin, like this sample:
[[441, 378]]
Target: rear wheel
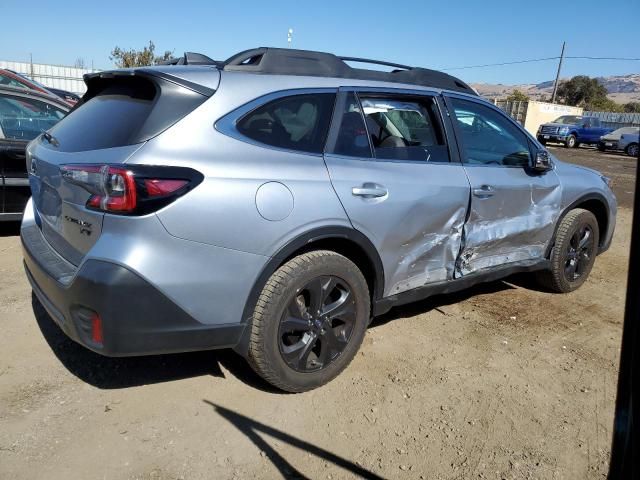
[[600, 147], [632, 150], [573, 253], [309, 321], [570, 142]]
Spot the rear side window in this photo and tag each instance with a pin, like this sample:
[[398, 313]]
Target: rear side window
[[123, 111], [298, 122]]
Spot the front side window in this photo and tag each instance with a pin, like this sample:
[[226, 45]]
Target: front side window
[[298, 122], [405, 128], [489, 138], [25, 118]]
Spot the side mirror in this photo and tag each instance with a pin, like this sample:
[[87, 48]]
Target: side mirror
[[542, 161]]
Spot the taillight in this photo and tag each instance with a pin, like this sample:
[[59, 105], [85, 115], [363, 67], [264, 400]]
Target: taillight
[[131, 190]]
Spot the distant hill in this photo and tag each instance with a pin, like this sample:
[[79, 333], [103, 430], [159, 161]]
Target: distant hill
[[620, 88]]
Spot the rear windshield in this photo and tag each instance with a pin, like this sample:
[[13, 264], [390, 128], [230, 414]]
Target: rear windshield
[[123, 111]]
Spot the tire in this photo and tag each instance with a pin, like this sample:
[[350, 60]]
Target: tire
[[291, 347], [571, 261], [600, 147], [542, 141], [571, 142], [632, 150]]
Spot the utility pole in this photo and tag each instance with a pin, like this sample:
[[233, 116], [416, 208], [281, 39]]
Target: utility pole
[[555, 84]]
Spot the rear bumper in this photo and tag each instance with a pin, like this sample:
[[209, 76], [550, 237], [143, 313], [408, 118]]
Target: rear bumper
[[613, 145], [136, 318]]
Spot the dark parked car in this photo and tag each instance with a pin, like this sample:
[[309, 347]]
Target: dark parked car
[[24, 114], [69, 97], [10, 78]]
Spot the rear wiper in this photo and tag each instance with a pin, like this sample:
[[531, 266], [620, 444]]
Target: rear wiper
[[51, 139]]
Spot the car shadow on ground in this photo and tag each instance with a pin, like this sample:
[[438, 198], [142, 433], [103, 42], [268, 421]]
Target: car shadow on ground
[[438, 301], [252, 429], [123, 372], [9, 229], [113, 373]]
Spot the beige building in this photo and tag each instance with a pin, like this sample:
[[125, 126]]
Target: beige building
[[531, 114]]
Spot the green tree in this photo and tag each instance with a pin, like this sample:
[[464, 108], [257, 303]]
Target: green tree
[[138, 58], [518, 96], [603, 105], [632, 107], [582, 91]]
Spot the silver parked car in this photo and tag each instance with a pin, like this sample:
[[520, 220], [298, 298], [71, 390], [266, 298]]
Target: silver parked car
[[276, 202], [629, 141], [612, 141]]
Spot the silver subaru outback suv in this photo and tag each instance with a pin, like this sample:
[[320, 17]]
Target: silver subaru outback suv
[[274, 203]]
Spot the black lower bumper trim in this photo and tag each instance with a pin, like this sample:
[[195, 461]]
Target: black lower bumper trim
[[137, 319]]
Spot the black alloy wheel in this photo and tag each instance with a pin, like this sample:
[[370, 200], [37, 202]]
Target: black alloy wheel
[[574, 251], [317, 324], [579, 253], [309, 321]]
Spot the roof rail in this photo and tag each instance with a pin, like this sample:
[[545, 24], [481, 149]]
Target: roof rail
[[192, 58], [286, 61], [375, 62]]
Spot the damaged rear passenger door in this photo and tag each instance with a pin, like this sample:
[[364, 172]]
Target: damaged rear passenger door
[[513, 209], [389, 163]]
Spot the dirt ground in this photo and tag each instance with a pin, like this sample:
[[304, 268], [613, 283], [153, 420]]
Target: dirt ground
[[501, 381]]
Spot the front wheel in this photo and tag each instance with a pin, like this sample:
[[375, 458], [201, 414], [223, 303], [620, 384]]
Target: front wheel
[[571, 142], [309, 321], [632, 150], [573, 253]]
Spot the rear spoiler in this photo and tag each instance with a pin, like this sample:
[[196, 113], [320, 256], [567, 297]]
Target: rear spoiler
[[90, 79]]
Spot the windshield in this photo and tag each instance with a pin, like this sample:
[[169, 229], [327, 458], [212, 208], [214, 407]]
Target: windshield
[[568, 119], [625, 131]]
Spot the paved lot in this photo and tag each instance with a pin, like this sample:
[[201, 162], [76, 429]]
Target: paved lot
[[502, 381]]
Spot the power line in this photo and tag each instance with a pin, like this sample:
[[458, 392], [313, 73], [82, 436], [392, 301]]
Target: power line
[[608, 58], [503, 63], [627, 59]]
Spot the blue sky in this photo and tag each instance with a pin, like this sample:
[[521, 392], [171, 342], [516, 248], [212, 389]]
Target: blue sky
[[435, 34]]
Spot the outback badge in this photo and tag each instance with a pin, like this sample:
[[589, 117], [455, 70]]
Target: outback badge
[[85, 227]]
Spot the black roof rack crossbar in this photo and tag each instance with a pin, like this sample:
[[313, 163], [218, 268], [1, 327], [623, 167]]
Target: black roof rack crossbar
[[375, 62], [192, 58]]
